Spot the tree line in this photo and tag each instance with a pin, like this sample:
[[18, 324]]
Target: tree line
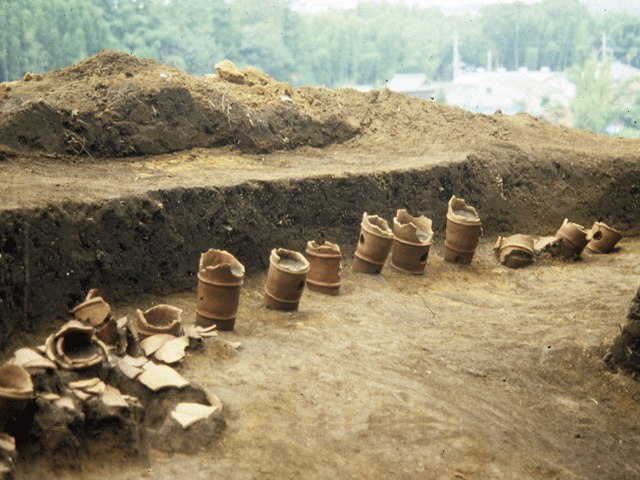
[[365, 45]]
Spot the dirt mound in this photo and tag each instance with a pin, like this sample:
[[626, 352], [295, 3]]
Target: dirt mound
[[114, 104]]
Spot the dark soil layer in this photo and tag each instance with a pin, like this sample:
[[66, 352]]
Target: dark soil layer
[[52, 255]]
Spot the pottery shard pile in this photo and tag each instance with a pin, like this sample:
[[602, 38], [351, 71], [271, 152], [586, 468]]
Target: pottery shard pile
[[69, 375]]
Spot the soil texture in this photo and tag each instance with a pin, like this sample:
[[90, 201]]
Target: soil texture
[[117, 173]]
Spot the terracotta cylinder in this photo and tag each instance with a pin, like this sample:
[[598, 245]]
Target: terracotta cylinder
[[412, 238], [285, 280], [603, 238], [462, 232], [515, 251], [325, 267], [574, 239], [16, 390], [220, 278], [374, 244]]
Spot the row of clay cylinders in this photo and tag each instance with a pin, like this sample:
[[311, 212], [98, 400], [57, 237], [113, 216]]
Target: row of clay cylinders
[[289, 271], [409, 243]]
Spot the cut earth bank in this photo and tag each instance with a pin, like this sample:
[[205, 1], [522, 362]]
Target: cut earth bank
[[467, 372]]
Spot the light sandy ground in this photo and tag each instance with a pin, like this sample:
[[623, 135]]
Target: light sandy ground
[[474, 372]]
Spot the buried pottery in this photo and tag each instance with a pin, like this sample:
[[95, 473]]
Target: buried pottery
[[325, 267], [515, 251], [374, 244], [94, 310], [603, 238], [285, 280], [574, 238], [220, 278], [75, 347], [16, 390], [412, 238], [462, 232], [158, 319]]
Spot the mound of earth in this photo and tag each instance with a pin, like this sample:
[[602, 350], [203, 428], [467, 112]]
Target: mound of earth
[[116, 105]]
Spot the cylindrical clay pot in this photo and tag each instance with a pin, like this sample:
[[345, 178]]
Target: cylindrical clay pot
[[411, 242], [220, 278], [374, 244], [574, 238], [515, 251], [603, 238], [462, 232], [325, 267], [285, 280]]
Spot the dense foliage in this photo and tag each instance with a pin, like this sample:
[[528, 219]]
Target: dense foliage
[[365, 45]]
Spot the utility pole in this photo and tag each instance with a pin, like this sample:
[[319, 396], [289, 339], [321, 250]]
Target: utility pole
[[489, 60], [456, 58]]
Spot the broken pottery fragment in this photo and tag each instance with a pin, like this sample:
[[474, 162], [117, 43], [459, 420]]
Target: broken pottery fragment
[[172, 351], [16, 390], [158, 319], [602, 238], [285, 280], [220, 278], [462, 232], [153, 343], [325, 267], [161, 376], [8, 456], [412, 238], [128, 370], [75, 347], [65, 403], [574, 239], [94, 310], [515, 251], [108, 333], [112, 397], [374, 244], [84, 384], [206, 332], [186, 414], [28, 358]]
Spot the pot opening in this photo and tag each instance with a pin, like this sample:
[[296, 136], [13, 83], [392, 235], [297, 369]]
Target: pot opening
[[301, 286], [597, 235], [423, 258], [77, 345], [457, 259], [361, 239]]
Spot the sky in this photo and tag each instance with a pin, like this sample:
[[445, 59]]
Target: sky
[[461, 6]]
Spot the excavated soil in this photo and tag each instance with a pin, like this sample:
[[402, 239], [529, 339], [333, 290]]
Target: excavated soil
[[117, 173]]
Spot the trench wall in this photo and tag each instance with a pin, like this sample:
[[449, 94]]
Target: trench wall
[[51, 256]]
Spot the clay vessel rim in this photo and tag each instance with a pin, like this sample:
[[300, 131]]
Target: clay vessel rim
[[326, 249], [446, 244], [74, 325], [323, 284], [76, 364], [612, 231], [279, 254], [213, 258], [508, 249], [238, 281], [88, 303], [572, 241], [281, 300], [413, 244], [405, 270], [368, 260], [459, 204], [572, 227], [376, 225], [208, 315]]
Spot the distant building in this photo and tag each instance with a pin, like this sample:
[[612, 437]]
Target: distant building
[[481, 91]]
